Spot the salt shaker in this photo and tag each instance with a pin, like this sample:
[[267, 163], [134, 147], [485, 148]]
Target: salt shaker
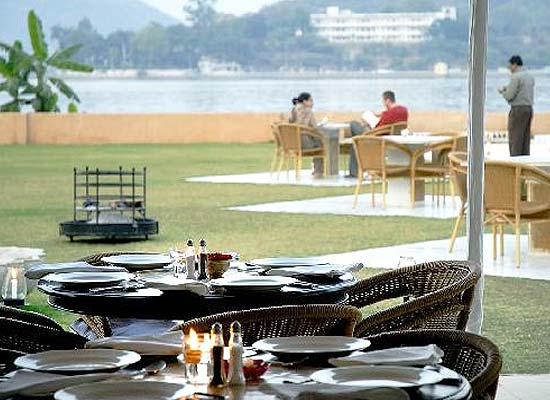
[[190, 259], [235, 376]]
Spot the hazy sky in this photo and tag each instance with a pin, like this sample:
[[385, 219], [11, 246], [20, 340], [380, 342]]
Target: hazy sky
[[174, 7]]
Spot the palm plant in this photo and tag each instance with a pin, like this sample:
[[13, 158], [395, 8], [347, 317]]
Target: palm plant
[[28, 78]]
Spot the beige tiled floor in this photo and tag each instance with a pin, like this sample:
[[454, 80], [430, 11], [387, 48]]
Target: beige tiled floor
[[524, 387]]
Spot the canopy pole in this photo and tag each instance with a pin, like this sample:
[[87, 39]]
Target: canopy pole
[[479, 11]]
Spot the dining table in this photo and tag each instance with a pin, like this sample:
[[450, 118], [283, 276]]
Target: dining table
[[152, 303], [282, 382], [334, 133]]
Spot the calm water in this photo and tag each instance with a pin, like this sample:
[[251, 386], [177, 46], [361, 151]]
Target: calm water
[[257, 95]]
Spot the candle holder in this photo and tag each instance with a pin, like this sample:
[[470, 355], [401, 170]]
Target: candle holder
[[196, 354], [14, 288]]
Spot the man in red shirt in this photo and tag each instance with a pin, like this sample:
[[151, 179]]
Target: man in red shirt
[[392, 114]]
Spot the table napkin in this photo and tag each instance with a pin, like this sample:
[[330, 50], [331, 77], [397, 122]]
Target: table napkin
[[402, 356], [321, 391], [165, 281], [33, 384], [166, 344], [329, 270], [41, 270]]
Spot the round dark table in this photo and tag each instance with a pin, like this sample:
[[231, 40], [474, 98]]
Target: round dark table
[[185, 305]]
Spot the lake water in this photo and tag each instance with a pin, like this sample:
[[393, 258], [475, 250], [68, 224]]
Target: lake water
[[274, 95]]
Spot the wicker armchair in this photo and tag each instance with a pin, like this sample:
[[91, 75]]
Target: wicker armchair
[[278, 152], [474, 357], [290, 136], [303, 320], [29, 316], [436, 295], [438, 169], [28, 337], [7, 357], [371, 158], [91, 326]]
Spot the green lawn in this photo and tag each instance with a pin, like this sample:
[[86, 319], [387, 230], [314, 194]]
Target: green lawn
[[36, 194]]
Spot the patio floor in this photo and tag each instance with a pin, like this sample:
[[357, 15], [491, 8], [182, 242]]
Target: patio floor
[[533, 265], [523, 387], [342, 205], [284, 178]]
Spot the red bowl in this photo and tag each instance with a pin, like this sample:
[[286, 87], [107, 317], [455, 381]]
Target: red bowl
[[252, 369]]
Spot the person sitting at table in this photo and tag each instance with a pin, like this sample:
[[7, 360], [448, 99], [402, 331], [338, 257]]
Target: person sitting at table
[[392, 114], [302, 114]]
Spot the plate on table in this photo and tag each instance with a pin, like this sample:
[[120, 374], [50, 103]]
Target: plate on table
[[252, 283], [285, 262], [311, 346], [138, 262], [89, 279], [77, 361], [377, 376], [135, 390]]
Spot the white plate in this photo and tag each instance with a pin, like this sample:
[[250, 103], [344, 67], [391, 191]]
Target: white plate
[[138, 261], [311, 345], [377, 376], [135, 390], [247, 282], [77, 361], [283, 262], [89, 278]]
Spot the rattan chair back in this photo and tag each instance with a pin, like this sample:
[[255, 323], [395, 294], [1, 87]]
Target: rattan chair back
[[301, 320], [29, 316], [370, 152], [502, 186], [32, 338], [459, 173], [431, 295], [398, 127], [474, 357], [289, 136]]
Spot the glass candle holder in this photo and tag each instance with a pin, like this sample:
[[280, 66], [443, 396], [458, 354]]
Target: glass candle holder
[[196, 354], [14, 288]]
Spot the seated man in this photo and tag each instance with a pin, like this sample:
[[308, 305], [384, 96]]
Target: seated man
[[392, 114]]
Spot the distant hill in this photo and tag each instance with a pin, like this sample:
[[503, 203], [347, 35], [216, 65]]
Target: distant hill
[[106, 15]]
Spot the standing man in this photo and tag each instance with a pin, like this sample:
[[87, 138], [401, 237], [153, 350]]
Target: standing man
[[520, 95]]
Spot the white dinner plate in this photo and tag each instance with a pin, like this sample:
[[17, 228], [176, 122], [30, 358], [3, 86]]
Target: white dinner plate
[[135, 390], [77, 361], [311, 345], [252, 283], [138, 261], [284, 262], [88, 278], [377, 376]]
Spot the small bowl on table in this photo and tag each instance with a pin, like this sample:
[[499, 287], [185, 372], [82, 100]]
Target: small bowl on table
[[218, 264]]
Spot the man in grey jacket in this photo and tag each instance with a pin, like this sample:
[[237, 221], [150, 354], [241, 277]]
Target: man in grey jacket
[[520, 95]]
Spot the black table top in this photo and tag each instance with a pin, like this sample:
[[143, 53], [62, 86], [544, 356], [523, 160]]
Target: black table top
[[184, 305]]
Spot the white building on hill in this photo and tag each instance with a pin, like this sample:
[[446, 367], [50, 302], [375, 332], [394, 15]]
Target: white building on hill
[[344, 26]]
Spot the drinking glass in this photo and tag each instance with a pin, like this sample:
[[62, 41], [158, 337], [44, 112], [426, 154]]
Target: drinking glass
[[406, 261]]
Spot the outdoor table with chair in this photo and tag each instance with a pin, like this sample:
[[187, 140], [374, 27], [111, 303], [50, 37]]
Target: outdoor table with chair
[[305, 319]]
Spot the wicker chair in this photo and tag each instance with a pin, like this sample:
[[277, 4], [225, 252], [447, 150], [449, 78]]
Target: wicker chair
[[29, 316], [290, 136], [474, 357], [436, 295], [303, 320], [278, 152], [458, 166], [502, 196], [371, 158], [7, 357], [91, 326], [28, 337], [438, 169]]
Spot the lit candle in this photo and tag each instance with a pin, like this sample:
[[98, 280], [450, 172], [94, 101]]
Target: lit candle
[[13, 282], [192, 348]]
